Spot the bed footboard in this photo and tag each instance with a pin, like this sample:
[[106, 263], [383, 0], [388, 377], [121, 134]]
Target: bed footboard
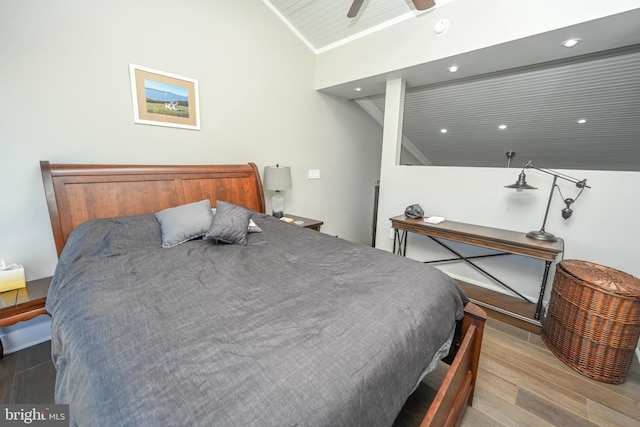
[[456, 391]]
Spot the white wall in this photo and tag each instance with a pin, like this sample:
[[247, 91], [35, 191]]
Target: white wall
[[66, 98]]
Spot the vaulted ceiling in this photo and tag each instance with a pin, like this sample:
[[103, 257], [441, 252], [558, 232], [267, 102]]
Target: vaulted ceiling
[[533, 87]]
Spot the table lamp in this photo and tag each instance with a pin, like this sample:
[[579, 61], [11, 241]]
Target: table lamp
[[521, 184], [277, 178]]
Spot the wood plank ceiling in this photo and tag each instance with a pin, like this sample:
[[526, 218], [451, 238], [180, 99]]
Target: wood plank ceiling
[[541, 111], [324, 23]]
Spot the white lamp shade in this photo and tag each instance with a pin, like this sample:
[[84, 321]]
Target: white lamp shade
[[277, 178]]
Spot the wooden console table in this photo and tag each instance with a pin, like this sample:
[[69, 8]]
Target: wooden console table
[[504, 241]]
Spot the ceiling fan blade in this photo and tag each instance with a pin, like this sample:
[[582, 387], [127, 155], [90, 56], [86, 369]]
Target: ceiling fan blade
[[355, 7], [424, 4]]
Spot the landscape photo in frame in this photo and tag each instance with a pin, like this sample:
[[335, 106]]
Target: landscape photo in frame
[[164, 99]]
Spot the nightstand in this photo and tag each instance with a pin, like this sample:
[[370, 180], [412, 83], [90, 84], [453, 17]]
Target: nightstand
[[313, 224], [23, 304]]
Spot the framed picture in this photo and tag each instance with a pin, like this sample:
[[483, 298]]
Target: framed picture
[[164, 99]]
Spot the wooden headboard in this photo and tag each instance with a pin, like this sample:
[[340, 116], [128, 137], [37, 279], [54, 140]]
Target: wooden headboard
[[78, 193]]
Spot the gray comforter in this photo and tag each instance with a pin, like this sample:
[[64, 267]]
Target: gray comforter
[[295, 328]]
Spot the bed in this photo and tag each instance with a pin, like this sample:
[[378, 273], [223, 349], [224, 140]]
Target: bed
[[287, 327]]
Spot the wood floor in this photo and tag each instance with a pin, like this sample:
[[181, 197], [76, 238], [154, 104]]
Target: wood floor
[[28, 376], [520, 383]]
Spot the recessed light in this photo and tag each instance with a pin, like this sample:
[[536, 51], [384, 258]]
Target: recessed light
[[502, 127], [581, 121], [570, 42], [358, 89], [453, 68], [443, 130]]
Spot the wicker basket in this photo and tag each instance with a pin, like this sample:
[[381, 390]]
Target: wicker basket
[[593, 319]]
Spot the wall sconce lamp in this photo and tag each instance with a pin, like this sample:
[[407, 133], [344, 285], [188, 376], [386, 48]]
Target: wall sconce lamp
[[521, 184], [277, 178]]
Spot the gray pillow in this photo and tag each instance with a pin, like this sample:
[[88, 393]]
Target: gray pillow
[[184, 222], [253, 227], [230, 224]]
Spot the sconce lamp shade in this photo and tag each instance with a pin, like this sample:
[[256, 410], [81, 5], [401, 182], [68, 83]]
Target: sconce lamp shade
[[521, 183], [277, 178]]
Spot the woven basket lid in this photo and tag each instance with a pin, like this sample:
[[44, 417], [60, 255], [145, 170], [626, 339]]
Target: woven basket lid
[[607, 278]]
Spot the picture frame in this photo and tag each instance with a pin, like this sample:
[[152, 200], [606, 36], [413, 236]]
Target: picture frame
[[164, 99]]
